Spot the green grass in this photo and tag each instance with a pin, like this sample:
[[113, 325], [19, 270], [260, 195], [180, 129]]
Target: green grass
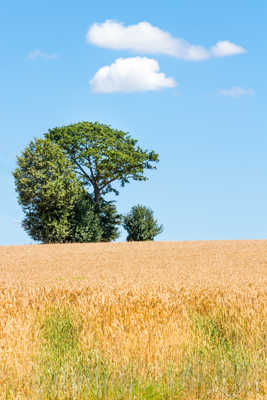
[[221, 360], [218, 365]]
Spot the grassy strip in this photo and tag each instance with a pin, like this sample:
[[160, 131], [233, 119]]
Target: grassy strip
[[217, 365]]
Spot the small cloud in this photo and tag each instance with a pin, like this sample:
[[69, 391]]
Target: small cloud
[[236, 91], [226, 48], [40, 54], [143, 38], [148, 39], [135, 74]]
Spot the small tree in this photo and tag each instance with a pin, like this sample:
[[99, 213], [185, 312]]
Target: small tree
[[47, 190], [140, 224]]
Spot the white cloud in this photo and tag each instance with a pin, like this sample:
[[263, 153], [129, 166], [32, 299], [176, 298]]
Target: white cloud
[[130, 75], [40, 54], [146, 38], [236, 91], [226, 48]]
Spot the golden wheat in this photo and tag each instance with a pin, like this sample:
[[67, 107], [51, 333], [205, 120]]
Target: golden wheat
[[144, 305]]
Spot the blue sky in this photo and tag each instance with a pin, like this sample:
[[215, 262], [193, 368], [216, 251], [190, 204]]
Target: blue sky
[[200, 103]]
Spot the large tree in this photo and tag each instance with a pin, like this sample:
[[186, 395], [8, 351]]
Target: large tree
[[102, 156]]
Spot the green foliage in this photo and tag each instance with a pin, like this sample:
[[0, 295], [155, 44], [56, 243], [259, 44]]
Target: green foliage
[[47, 190], [102, 156], [93, 222], [85, 224], [109, 220], [140, 224]]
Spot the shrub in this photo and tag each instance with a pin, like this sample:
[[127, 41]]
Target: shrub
[[140, 224]]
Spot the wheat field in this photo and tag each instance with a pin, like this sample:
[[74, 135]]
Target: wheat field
[[141, 320]]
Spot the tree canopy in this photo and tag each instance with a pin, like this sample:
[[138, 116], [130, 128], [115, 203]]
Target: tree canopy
[[102, 156]]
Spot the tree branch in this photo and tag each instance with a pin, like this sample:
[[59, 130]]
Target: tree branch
[[94, 181], [83, 171], [110, 181]]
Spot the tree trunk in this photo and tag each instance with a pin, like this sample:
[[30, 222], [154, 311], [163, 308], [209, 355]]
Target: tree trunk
[[96, 194]]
